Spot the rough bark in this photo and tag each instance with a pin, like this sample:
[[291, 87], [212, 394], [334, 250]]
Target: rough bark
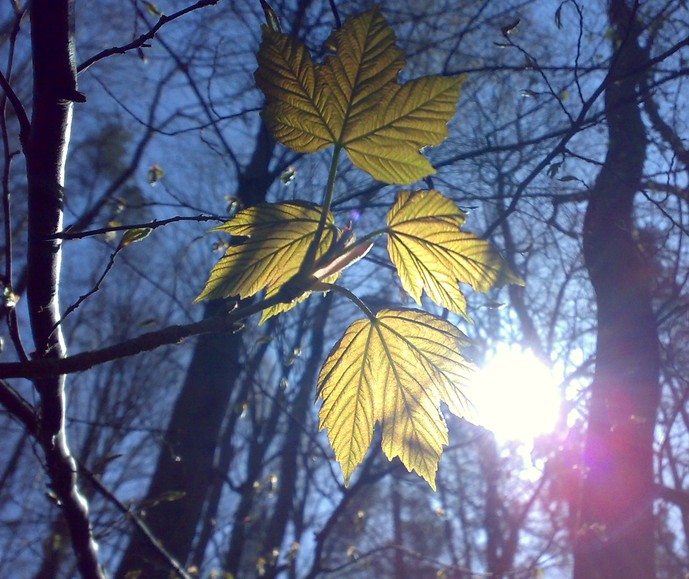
[[615, 534], [54, 91]]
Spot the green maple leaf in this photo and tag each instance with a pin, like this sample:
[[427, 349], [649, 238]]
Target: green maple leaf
[[393, 370], [353, 99], [277, 239], [432, 254]]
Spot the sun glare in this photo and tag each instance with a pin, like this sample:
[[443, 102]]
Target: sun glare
[[515, 396]]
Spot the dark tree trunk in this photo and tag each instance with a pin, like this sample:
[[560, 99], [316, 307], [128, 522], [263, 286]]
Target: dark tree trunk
[[185, 464], [292, 445], [54, 87], [614, 538]]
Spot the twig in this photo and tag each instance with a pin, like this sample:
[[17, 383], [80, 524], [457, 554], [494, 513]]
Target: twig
[[18, 407], [66, 234], [141, 41], [336, 14], [20, 111], [15, 336], [193, 85], [574, 129], [93, 290], [135, 519], [11, 313]]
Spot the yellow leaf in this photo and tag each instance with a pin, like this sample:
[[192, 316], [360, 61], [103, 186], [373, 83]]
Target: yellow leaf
[[394, 370], [353, 99], [386, 142], [294, 104], [278, 236], [327, 269], [365, 65], [432, 254], [282, 307]]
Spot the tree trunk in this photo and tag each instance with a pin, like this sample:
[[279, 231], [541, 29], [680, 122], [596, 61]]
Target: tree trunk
[[292, 446], [615, 534], [185, 464], [54, 92]]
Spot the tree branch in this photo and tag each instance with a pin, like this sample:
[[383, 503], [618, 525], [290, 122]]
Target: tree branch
[[677, 497], [18, 407], [66, 234], [19, 110], [136, 521], [43, 368], [141, 41]]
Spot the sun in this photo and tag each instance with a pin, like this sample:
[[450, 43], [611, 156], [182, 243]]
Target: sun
[[515, 396]]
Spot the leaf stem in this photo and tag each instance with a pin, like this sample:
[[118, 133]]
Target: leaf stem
[[372, 235], [310, 259], [349, 295]]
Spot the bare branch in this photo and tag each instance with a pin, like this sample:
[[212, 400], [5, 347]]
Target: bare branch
[[20, 111], [18, 407], [675, 496], [43, 368], [136, 521], [149, 225], [141, 41]]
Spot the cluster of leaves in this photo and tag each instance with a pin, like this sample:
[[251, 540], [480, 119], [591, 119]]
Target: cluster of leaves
[[396, 366]]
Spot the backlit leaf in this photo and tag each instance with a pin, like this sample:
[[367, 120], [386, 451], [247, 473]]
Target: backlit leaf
[[393, 371], [294, 104], [327, 269], [353, 99], [278, 236], [387, 141], [355, 79], [133, 235], [432, 254]]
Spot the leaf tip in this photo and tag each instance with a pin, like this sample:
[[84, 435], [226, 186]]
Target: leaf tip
[[201, 296], [431, 483]]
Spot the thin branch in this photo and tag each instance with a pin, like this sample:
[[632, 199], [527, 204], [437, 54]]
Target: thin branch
[[9, 155], [18, 407], [141, 41], [21, 410], [93, 290], [20, 111], [668, 134], [10, 311], [89, 215], [149, 225], [45, 367], [184, 69], [574, 129], [15, 336], [558, 149], [136, 521], [336, 14]]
